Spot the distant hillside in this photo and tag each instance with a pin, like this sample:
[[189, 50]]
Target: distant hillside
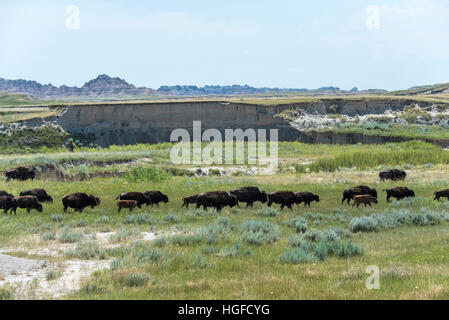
[[106, 87], [429, 89], [15, 99], [101, 86]]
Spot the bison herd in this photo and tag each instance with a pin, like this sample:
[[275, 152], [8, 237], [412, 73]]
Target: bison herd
[[33, 198]]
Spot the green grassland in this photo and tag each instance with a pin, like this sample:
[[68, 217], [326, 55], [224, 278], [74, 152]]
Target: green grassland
[[210, 255]]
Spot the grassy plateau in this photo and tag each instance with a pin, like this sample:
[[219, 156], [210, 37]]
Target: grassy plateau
[[170, 252]]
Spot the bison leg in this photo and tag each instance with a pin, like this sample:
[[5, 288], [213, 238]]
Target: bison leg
[[131, 209], [28, 210], [269, 204], [118, 209]]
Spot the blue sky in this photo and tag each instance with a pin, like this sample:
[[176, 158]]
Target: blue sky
[[295, 44]]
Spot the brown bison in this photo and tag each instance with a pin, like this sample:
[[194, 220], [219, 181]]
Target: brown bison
[[284, 198], [392, 174], [365, 199], [444, 193], [130, 204], [41, 194], [250, 195], [79, 201], [5, 193], [306, 197], [189, 199], [216, 199], [156, 197], [140, 197], [29, 203], [8, 203], [399, 193], [20, 173], [349, 193]]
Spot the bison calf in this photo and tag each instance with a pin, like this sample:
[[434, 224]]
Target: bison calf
[[140, 197], [365, 199], [129, 204], [349, 193], [306, 197], [444, 193], [189, 199]]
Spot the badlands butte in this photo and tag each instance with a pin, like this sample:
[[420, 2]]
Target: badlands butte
[[124, 123]]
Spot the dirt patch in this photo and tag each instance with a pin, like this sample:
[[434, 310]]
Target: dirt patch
[[29, 277]]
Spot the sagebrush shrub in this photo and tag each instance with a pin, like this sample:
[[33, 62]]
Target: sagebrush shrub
[[259, 232], [363, 224], [136, 279]]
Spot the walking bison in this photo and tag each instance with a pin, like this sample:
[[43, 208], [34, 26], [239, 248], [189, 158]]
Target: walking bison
[[284, 198], [216, 199], [250, 195], [349, 193], [5, 193], [129, 204], [365, 199], [79, 200], [444, 193], [20, 173], [306, 197], [156, 197], [41, 194], [399, 193], [189, 199], [28, 203], [140, 197], [392, 174], [8, 203]]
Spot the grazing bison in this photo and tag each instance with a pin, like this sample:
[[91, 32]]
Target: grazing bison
[[41, 194], [349, 193], [306, 197], [189, 199], [5, 193], [130, 204], [20, 173], [140, 197], [250, 195], [28, 203], [79, 201], [444, 193], [399, 193], [365, 199], [284, 198], [216, 199], [8, 203], [156, 197], [392, 174]]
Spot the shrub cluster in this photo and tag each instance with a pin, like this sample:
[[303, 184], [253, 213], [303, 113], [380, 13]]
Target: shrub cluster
[[396, 218], [259, 232]]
